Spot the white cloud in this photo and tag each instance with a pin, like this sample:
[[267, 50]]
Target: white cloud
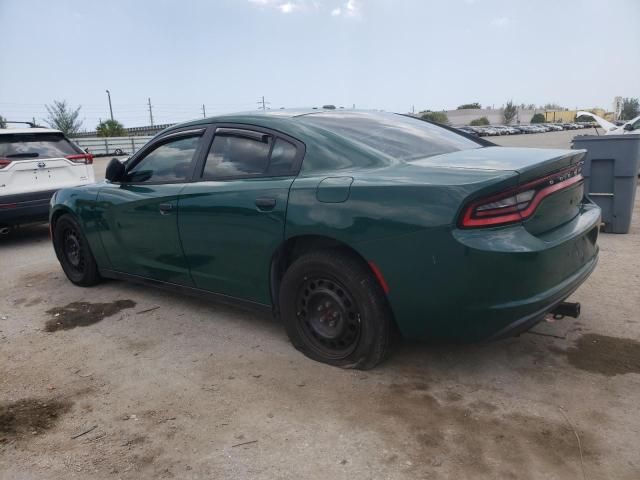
[[352, 7], [287, 7], [500, 21], [349, 8]]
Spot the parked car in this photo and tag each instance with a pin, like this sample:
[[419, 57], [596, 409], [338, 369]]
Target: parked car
[[468, 130], [490, 131], [346, 224], [501, 130], [34, 163], [554, 127]]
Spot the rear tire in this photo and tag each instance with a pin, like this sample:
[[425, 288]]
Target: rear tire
[[335, 311], [73, 252]]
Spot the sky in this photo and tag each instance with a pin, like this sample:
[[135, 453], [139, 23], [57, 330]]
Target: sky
[[393, 55]]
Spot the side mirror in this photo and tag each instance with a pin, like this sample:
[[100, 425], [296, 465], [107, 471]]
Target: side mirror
[[115, 171], [628, 127]]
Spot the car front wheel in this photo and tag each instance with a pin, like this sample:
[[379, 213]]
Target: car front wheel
[[335, 311], [74, 253]]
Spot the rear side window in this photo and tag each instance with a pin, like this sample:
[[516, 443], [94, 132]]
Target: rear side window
[[397, 136], [283, 158], [237, 154], [35, 145]]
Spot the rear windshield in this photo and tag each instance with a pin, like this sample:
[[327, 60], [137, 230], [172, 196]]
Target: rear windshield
[[398, 136], [35, 145]]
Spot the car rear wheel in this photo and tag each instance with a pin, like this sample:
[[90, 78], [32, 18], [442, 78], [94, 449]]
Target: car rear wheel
[[335, 311], [74, 253]]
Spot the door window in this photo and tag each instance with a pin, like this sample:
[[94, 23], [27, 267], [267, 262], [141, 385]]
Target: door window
[[168, 163], [283, 157], [236, 153]]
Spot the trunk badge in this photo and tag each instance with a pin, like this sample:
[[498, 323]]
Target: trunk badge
[[41, 164]]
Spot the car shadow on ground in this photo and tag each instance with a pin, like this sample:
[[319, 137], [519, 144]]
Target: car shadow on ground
[[25, 235]]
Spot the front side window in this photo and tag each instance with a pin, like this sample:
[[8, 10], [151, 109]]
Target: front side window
[[170, 162], [237, 154]]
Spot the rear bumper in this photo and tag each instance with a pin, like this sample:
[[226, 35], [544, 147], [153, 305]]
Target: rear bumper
[[482, 284], [25, 207], [562, 292]]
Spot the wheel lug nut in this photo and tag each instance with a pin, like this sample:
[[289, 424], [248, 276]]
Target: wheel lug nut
[[335, 314], [332, 323], [319, 308]]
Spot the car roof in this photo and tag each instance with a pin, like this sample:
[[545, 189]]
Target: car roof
[[283, 120], [27, 130]]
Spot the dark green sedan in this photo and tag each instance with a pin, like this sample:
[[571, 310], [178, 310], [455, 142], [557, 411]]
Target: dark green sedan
[[348, 225]]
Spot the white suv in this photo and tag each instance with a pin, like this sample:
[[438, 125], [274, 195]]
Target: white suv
[[34, 164]]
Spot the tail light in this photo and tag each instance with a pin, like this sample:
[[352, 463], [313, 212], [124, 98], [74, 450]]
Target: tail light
[[520, 203], [85, 158], [4, 162]]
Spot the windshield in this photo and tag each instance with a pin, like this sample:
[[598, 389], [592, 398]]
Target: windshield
[[35, 145], [398, 136]]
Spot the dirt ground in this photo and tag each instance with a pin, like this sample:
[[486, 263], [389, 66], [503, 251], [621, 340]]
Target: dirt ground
[[124, 381]]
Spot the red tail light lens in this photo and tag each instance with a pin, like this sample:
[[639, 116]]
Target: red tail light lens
[[4, 162], [518, 204], [85, 158]]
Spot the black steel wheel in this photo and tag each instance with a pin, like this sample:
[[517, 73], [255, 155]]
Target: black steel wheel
[[73, 252], [334, 309], [328, 316]]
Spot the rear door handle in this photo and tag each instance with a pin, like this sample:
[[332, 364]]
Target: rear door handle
[[265, 203], [165, 208]]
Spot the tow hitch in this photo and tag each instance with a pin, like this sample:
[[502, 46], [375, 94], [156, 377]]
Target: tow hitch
[[566, 309]]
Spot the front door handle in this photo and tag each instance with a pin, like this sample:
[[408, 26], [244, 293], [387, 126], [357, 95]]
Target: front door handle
[[265, 203], [165, 208]]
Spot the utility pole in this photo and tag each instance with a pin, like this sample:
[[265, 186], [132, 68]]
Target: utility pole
[[150, 112], [110, 109], [264, 104], [204, 112]]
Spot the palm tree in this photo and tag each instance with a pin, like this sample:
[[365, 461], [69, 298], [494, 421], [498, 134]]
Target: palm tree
[[110, 128]]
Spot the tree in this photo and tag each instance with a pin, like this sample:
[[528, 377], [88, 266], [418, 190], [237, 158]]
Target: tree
[[630, 108], [63, 118], [477, 122], [509, 112], [531, 106], [3, 121], [552, 106], [468, 106], [110, 128], [538, 118], [436, 117]]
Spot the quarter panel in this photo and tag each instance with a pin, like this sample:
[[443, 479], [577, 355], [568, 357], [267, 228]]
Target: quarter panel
[[82, 203]]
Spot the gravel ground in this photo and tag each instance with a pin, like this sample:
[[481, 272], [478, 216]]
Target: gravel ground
[[124, 381]]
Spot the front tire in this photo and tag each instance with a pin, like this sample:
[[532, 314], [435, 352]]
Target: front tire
[[73, 252], [335, 311]]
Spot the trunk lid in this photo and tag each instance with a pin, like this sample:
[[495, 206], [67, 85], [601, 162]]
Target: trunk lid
[[32, 175], [531, 165]]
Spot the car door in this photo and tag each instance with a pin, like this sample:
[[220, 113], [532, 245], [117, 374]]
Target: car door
[[140, 214], [232, 219]]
